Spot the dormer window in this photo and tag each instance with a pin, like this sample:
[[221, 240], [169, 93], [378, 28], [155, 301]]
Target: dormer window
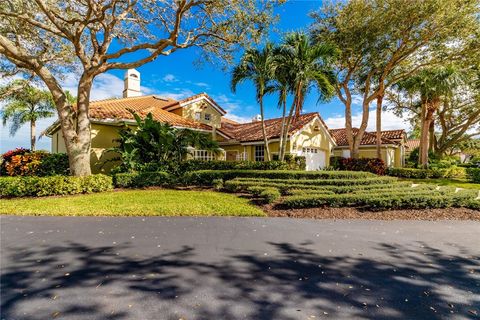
[[198, 116], [207, 116]]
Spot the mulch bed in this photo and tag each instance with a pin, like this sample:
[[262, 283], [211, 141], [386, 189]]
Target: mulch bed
[[355, 213]]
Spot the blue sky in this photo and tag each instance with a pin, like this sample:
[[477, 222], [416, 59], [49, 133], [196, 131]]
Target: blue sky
[[177, 76]]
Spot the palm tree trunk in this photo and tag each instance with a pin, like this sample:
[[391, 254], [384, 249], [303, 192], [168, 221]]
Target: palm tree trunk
[[287, 127], [32, 135], [264, 131], [431, 132], [379, 126], [281, 150]]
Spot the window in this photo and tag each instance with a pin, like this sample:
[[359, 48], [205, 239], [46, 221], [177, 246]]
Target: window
[[203, 155], [207, 116], [198, 115], [259, 153]]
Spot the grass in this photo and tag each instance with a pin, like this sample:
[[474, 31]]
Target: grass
[[159, 202], [458, 183]]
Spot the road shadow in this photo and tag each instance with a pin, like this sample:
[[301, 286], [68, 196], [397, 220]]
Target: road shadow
[[73, 280]]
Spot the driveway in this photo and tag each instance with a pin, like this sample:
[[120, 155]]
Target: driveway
[[238, 268]]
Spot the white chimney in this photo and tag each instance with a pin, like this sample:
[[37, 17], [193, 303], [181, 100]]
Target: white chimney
[[257, 118], [132, 84]]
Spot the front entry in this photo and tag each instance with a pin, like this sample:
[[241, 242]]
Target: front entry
[[231, 155], [314, 158]]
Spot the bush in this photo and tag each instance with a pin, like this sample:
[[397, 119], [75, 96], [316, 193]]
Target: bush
[[142, 179], [195, 165], [268, 194], [422, 200], [54, 185], [206, 177], [22, 162], [452, 172], [373, 165], [473, 174]]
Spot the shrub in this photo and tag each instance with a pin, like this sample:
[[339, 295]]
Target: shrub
[[373, 165], [473, 174], [194, 165], [378, 201], [142, 179], [53, 185], [270, 195], [452, 172], [22, 162], [206, 177], [218, 184]]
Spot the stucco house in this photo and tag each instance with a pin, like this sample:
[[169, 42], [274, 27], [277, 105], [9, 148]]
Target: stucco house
[[308, 135], [392, 149]]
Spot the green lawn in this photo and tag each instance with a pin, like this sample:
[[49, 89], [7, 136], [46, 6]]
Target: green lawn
[[134, 203], [447, 182]]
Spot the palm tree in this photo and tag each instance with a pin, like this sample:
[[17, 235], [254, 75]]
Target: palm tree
[[306, 65], [432, 86], [25, 104], [257, 66]]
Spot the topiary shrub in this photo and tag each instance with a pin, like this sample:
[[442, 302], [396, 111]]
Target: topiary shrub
[[473, 174], [53, 185], [142, 179]]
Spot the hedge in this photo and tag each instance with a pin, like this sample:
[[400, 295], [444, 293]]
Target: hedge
[[23, 162], [473, 174], [54, 185], [453, 172], [373, 165], [195, 165], [206, 177], [268, 194], [142, 179], [378, 201]]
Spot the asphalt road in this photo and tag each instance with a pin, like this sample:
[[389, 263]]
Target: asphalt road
[[238, 268]]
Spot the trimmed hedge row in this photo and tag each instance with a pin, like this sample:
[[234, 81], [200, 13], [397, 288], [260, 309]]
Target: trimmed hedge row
[[206, 177], [453, 172], [391, 201], [268, 194], [195, 165], [142, 179], [53, 185], [473, 174]]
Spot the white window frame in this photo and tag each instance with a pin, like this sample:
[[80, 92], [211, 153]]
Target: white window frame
[[242, 156], [198, 116], [259, 153]]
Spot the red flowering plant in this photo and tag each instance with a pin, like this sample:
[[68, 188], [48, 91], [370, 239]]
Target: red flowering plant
[[7, 157]]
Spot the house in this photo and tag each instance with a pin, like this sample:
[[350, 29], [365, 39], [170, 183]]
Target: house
[[392, 148], [411, 145], [308, 135]]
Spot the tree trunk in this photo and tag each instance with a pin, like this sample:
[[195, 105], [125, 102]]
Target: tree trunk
[[428, 110], [287, 127], [78, 142], [431, 132], [264, 131], [281, 151], [379, 126], [363, 126], [32, 135], [348, 126]]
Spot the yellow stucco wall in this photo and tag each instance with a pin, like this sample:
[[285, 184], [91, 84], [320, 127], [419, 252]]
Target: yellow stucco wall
[[204, 108], [371, 152]]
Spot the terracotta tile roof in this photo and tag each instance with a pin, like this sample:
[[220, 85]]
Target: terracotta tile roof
[[369, 138], [393, 134], [412, 144], [177, 104], [252, 131], [120, 109]]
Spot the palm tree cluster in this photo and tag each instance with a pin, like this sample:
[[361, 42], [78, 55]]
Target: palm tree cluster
[[290, 70]]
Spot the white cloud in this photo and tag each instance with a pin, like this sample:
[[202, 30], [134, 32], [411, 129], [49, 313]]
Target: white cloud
[[202, 84], [177, 94], [389, 121], [232, 106], [170, 78]]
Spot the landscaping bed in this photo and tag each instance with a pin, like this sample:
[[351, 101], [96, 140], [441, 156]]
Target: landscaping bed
[[355, 213]]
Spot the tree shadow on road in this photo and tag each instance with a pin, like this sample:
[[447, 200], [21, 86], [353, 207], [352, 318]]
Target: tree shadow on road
[[292, 282]]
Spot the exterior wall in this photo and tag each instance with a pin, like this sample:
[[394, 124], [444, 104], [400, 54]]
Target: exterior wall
[[203, 107], [314, 136], [394, 154]]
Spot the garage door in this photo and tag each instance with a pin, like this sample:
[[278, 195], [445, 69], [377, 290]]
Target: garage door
[[314, 158]]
